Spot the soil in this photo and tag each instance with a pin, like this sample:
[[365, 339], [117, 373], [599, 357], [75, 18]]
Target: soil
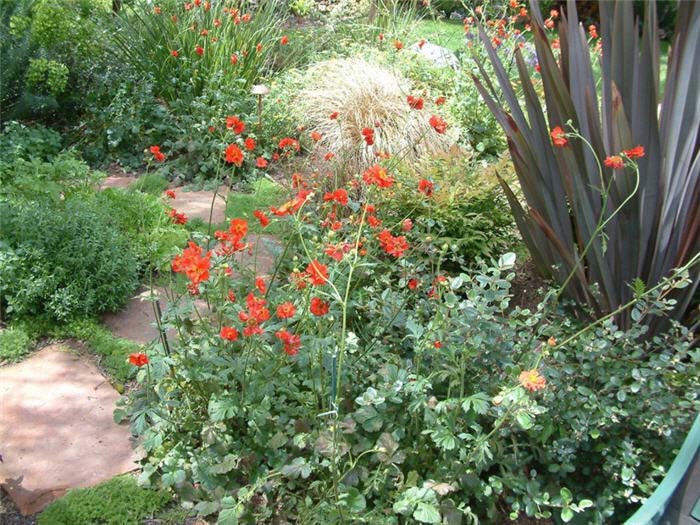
[[10, 515], [528, 286]]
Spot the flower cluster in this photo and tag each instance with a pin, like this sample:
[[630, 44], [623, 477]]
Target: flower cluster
[[194, 265]]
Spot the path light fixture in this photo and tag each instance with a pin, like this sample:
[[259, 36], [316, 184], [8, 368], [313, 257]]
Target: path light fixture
[[260, 90]]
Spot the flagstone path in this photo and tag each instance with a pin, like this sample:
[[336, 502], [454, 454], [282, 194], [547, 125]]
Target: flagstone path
[[57, 431]]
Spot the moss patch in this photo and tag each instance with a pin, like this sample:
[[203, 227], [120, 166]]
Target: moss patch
[[119, 501]]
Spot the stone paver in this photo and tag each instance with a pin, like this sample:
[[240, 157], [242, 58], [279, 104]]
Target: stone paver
[[137, 321], [197, 204], [117, 181], [56, 428]]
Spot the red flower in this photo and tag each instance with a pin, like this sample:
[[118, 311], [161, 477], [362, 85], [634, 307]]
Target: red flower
[[380, 36], [532, 380], [234, 155], [437, 344], [340, 196], [412, 284], [246, 18], [264, 219], [633, 153], [395, 246], [368, 134], [440, 101], [256, 314], [258, 47], [407, 225], [378, 176], [261, 162], [438, 124], [175, 53], [315, 136], [373, 221], [289, 142], [157, 10], [318, 307], [234, 59], [317, 272], [229, 333], [199, 50], [421, 43], [286, 310], [249, 144], [170, 194], [231, 296], [284, 40], [328, 156], [291, 343], [425, 187], [157, 154], [414, 102], [138, 359], [558, 137], [236, 124], [615, 162], [333, 115], [335, 252], [260, 285], [398, 45], [178, 218], [193, 264]]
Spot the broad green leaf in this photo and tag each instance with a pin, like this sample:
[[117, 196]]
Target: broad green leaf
[[426, 513]]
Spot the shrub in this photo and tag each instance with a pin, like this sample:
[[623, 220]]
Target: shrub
[[28, 142], [63, 260], [571, 195], [142, 219], [14, 343], [365, 96], [65, 175], [115, 502], [365, 385], [466, 209]]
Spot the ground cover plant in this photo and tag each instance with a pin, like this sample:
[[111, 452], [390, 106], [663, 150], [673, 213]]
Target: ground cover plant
[[383, 363]]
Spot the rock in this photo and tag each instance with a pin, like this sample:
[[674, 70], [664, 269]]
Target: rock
[[438, 55], [456, 15], [57, 430]]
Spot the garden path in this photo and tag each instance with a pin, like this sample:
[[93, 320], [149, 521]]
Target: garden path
[[57, 429]]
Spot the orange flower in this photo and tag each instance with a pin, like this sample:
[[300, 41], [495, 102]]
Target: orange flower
[[398, 45], [178, 218], [286, 310], [234, 155], [340, 196], [438, 124], [368, 134], [284, 40], [425, 187], [421, 43], [259, 47], [378, 176], [250, 144], [633, 153], [193, 264], [261, 162], [318, 307], [532, 380], [157, 154], [414, 102], [199, 50], [260, 285], [291, 343], [440, 101], [264, 219], [236, 124], [289, 142], [229, 333], [558, 137], [317, 272], [175, 53], [234, 59], [170, 194], [138, 359], [333, 115], [395, 246], [615, 162], [315, 136]]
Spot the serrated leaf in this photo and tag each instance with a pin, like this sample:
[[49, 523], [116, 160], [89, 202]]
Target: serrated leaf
[[479, 403]]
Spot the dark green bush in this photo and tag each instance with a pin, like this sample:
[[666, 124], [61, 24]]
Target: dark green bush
[[28, 142], [63, 259], [119, 501]]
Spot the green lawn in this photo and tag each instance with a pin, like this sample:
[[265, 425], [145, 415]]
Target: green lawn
[[264, 193], [445, 33]]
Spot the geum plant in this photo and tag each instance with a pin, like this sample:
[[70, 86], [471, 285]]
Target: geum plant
[[356, 382], [650, 221]]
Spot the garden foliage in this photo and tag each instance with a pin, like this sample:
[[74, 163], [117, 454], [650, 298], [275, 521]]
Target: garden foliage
[[569, 193]]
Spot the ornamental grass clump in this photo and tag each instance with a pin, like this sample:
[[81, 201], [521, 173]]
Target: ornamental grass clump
[[361, 110]]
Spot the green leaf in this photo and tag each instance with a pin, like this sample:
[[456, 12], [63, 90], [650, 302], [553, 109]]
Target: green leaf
[[525, 420], [354, 500], [225, 464], [479, 403], [427, 513], [567, 514], [584, 504], [298, 467], [566, 495], [221, 409]]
